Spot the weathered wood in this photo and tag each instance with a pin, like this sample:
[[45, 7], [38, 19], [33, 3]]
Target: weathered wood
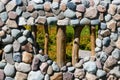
[[92, 37], [46, 39], [76, 42], [61, 45]]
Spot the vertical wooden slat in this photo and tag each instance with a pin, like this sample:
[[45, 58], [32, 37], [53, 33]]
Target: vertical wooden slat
[[61, 45], [92, 37], [46, 39], [76, 43]]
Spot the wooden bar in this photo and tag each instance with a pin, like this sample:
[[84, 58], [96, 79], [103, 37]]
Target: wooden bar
[[92, 37], [76, 43], [61, 45], [46, 39]]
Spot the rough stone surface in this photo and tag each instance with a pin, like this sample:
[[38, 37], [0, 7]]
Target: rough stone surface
[[57, 76], [20, 76]]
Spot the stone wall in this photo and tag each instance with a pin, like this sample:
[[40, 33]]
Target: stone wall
[[19, 60]]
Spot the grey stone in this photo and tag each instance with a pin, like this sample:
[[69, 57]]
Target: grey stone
[[10, 6], [116, 2], [118, 29], [56, 11], [41, 20], [55, 5], [38, 1], [23, 67], [47, 77], [114, 36], [74, 22], [17, 57], [51, 20], [9, 78], [4, 1], [108, 17], [15, 33], [26, 33], [68, 76], [69, 13], [18, 10], [98, 42], [87, 58], [26, 15], [8, 48], [7, 40], [16, 46], [9, 70], [116, 71], [39, 6], [97, 2], [90, 67], [103, 26], [49, 62], [100, 73], [116, 53], [103, 57], [85, 3], [61, 16], [55, 67], [85, 21], [98, 64], [71, 6], [1, 7], [95, 22], [9, 58], [42, 58], [78, 65], [3, 16], [22, 40], [106, 41], [105, 33], [35, 75], [2, 64], [68, 64], [71, 69], [18, 2], [22, 21], [30, 40]]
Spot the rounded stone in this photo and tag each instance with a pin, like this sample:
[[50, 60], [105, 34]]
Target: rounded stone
[[20, 76], [2, 76], [35, 75], [15, 33], [79, 73], [106, 41], [8, 48], [9, 78], [9, 70], [2, 64], [17, 57], [43, 67], [35, 64], [47, 77], [7, 40], [1, 7], [55, 67], [71, 69], [23, 67], [100, 73], [103, 26], [22, 40], [90, 67], [108, 17], [85, 21], [50, 70], [116, 53], [27, 57], [26, 33], [71, 6], [69, 13], [95, 22], [103, 57], [98, 42]]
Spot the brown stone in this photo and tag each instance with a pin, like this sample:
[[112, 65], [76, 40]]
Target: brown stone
[[49, 14], [47, 6], [43, 67], [92, 3], [116, 17], [90, 76], [2, 33], [101, 16], [35, 14], [12, 15], [118, 23], [91, 12], [20, 76], [1, 23], [112, 77], [117, 43], [50, 70], [27, 47], [111, 25], [27, 57], [108, 49], [63, 7], [112, 9], [10, 6], [41, 20], [98, 64], [2, 76], [80, 8], [101, 8], [105, 33], [78, 15], [11, 23], [110, 62], [57, 76], [30, 8], [79, 73]]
